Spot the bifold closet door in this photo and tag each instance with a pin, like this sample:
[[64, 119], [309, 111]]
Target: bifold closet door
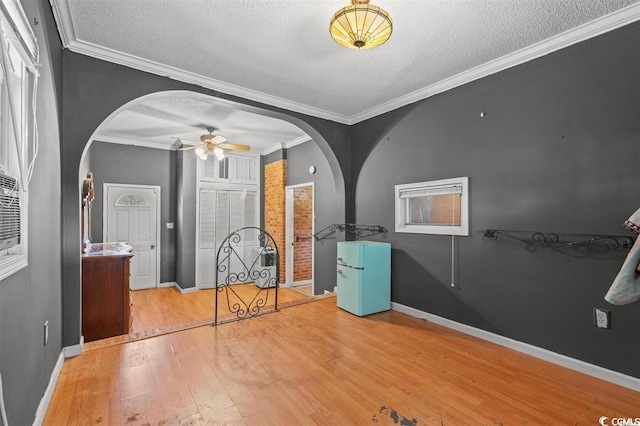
[[206, 249], [220, 213]]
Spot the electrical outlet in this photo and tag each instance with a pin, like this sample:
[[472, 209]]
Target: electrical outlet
[[46, 332], [601, 318]]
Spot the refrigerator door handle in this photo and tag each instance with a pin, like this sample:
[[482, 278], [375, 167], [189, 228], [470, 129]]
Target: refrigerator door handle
[[360, 268]]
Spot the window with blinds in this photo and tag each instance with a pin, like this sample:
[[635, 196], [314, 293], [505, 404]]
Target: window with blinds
[[436, 207], [18, 136], [9, 212]]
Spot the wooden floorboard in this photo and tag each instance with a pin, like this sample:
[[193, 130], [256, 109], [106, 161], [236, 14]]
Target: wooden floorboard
[[165, 310], [316, 364]]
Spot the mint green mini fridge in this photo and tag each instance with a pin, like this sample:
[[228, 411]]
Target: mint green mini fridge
[[364, 277]]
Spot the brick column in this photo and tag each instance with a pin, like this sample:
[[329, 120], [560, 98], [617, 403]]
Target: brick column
[[275, 180]]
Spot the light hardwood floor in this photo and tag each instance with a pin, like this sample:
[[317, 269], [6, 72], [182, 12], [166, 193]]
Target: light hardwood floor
[[316, 364], [165, 310], [165, 307], [304, 289]]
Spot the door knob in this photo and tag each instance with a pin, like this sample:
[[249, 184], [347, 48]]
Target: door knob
[[153, 246], [339, 271]]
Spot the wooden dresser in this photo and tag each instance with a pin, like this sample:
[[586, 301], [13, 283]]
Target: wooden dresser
[[105, 296]]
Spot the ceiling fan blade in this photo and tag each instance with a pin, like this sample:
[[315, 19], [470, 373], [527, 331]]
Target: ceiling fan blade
[[186, 148], [219, 139], [186, 141], [215, 139], [234, 146]]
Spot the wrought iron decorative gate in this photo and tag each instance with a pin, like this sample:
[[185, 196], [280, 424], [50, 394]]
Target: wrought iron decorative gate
[[246, 257]]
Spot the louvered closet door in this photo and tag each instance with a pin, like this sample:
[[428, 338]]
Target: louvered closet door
[[207, 239], [241, 209], [243, 214], [222, 212]]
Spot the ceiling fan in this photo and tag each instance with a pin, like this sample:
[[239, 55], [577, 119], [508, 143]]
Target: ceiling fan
[[214, 144]]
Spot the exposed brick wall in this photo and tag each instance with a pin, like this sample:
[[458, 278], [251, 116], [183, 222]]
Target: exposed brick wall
[[275, 180], [302, 231]]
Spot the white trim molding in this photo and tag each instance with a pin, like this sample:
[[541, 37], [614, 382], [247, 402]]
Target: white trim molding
[[75, 350], [540, 353], [581, 33], [560, 41], [48, 393], [125, 141], [186, 290], [62, 15], [168, 284], [286, 145]]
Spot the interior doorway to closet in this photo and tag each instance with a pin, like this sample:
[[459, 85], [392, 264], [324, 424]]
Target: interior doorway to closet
[[300, 219]]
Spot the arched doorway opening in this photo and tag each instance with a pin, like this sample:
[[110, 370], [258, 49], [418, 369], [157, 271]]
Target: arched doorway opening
[[138, 144]]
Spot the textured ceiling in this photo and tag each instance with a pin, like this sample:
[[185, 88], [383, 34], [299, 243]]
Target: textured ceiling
[[280, 51], [167, 120]]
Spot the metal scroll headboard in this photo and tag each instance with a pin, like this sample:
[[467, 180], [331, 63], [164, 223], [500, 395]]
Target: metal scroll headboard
[[247, 275]]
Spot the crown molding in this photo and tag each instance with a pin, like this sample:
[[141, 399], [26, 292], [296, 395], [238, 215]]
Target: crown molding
[[64, 22], [560, 41], [62, 16], [297, 141], [581, 33], [126, 141], [272, 148], [286, 145]]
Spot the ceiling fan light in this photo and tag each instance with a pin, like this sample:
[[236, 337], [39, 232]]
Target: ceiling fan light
[[200, 152], [361, 26], [219, 153]]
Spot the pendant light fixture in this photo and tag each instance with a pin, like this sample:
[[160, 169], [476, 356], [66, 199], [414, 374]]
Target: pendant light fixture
[[361, 26]]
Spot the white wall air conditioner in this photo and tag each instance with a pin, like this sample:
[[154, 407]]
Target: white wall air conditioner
[[9, 212]]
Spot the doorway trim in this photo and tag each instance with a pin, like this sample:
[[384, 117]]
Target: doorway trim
[[289, 235], [105, 209]]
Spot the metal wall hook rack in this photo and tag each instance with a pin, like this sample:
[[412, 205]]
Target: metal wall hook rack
[[351, 228], [561, 240]]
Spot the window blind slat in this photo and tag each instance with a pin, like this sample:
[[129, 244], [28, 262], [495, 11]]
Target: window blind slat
[[430, 192]]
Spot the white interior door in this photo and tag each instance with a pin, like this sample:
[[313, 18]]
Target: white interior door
[[208, 227], [300, 224], [221, 212], [130, 214]]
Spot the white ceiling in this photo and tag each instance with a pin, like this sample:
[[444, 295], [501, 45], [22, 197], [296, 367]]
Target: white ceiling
[[169, 119], [280, 51]]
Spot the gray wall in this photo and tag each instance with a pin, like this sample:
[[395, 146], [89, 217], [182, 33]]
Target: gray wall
[[32, 296], [557, 151], [186, 219], [115, 163], [299, 158]]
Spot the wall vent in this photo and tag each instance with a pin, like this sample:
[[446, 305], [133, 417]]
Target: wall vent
[[9, 212]]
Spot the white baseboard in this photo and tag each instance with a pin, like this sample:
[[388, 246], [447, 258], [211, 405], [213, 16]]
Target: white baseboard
[[48, 393], [75, 350], [167, 284], [185, 290], [540, 353]]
